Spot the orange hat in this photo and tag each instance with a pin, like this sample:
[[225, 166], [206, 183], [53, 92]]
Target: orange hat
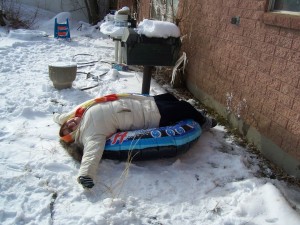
[[69, 138]]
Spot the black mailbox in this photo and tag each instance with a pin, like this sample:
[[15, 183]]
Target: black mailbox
[[142, 50]]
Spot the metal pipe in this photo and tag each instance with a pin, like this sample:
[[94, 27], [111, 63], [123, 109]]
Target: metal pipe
[[120, 52], [146, 79], [116, 50]]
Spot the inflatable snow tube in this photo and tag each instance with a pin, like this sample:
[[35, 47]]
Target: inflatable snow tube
[[153, 143]]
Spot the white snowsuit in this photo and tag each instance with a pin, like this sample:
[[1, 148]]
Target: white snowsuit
[[102, 120]]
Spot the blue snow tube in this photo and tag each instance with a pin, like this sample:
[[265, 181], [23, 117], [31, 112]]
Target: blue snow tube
[[153, 143]]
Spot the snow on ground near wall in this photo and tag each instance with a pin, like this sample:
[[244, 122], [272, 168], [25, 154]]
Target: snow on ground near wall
[[213, 183]]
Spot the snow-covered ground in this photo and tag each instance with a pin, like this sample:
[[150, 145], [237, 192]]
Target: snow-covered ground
[[213, 183]]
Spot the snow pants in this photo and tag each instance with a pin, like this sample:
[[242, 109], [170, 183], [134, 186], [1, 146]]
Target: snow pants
[[173, 110]]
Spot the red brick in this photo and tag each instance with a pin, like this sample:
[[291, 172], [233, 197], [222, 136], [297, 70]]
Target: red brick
[[281, 52], [230, 3], [296, 45], [285, 42], [255, 103], [296, 57], [224, 19], [285, 32], [275, 84], [234, 29], [230, 74], [281, 120], [250, 4], [292, 56], [243, 41], [285, 100], [269, 18], [290, 77], [248, 23], [282, 110], [239, 58], [295, 22], [224, 10], [240, 78], [294, 115], [252, 14], [275, 133], [296, 106], [272, 39], [251, 53], [270, 104], [252, 64], [223, 35], [258, 91], [279, 41], [214, 22], [291, 91], [272, 30], [278, 66], [283, 20], [266, 58], [263, 47], [246, 88], [268, 112], [293, 67], [234, 12], [236, 66], [264, 67], [293, 127], [212, 31], [254, 34], [263, 78], [271, 94]]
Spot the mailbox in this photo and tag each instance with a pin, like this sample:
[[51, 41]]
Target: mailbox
[[142, 50]]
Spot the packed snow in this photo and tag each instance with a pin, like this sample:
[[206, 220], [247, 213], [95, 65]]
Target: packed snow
[[213, 183], [149, 28], [160, 29]]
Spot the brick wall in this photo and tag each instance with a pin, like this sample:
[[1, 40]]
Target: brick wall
[[252, 69]]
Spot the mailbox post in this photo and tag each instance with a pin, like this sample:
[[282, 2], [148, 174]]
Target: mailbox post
[[147, 72], [149, 52]]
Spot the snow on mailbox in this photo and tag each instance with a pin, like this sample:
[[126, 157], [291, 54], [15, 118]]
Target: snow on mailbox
[[152, 43]]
